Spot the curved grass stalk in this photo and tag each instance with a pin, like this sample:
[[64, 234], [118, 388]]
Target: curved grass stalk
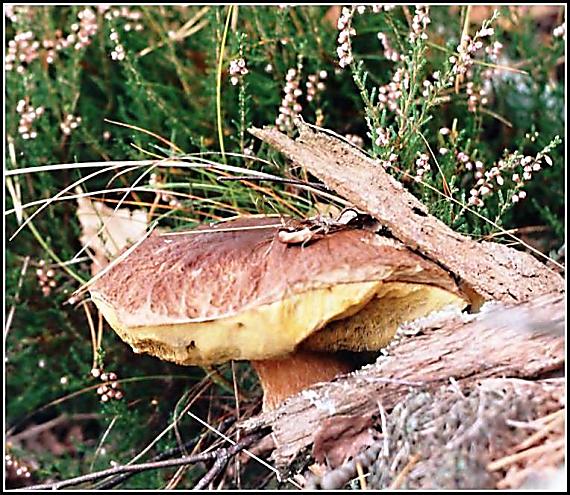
[[219, 83]]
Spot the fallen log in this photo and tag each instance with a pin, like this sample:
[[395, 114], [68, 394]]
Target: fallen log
[[486, 270], [524, 340]]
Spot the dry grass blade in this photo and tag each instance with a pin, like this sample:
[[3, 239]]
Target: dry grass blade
[[558, 422], [219, 83], [63, 265], [532, 452], [143, 189], [229, 229], [201, 388], [37, 429], [361, 477], [185, 460], [116, 164], [237, 409], [13, 185], [102, 441], [10, 316], [464, 33], [495, 115], [527, 459], [550, 417], [404, 472], [129, 163], [91, 325], [189, 28], [146, 131], [446, 189], [63, 191]]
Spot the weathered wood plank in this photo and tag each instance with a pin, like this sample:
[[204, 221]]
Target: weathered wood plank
[[486, 270]]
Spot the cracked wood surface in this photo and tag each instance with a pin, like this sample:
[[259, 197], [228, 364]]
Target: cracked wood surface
[[524, 340], [486, 270]]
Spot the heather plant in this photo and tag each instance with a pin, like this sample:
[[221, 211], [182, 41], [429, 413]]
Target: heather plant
[[463, 104]]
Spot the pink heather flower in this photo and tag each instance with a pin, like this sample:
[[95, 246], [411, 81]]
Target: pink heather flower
[[382, 138], [346, 32], [389, 51], [422, 166], [237, 70], [462, 157], [70, 123], [315, 85], [494, 50], [389, 94], [385, 7], [419, 23], [118, 53], [290, 108], [468, 47], [560, 31], [28, 115]]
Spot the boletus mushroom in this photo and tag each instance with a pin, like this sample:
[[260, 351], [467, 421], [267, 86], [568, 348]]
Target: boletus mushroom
[[236, 291]]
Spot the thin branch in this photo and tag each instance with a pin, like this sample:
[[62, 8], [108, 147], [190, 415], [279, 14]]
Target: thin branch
[[220, 464], [116, 480], [137, 468]]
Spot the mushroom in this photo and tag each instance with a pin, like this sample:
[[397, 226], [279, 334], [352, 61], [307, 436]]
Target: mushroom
[[235, 291]]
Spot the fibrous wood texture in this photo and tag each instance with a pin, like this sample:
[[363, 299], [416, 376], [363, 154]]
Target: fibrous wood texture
[[523, 340], [487, 270]]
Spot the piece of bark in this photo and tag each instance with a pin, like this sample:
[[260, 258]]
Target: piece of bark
[[486, 270], [524, 340], [342, 437]]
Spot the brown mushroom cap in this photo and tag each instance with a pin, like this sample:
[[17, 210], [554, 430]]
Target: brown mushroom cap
[[234, 291]]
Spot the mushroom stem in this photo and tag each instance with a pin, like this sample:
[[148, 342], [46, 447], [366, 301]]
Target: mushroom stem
[[283, 377]]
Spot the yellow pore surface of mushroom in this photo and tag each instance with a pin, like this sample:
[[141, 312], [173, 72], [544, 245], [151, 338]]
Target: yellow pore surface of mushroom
[[373, 327], [262, 332]]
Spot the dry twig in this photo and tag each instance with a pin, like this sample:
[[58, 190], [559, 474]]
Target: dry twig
[[226, 453]]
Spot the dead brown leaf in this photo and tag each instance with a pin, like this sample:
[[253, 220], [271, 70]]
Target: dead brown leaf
[[106, 232]]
